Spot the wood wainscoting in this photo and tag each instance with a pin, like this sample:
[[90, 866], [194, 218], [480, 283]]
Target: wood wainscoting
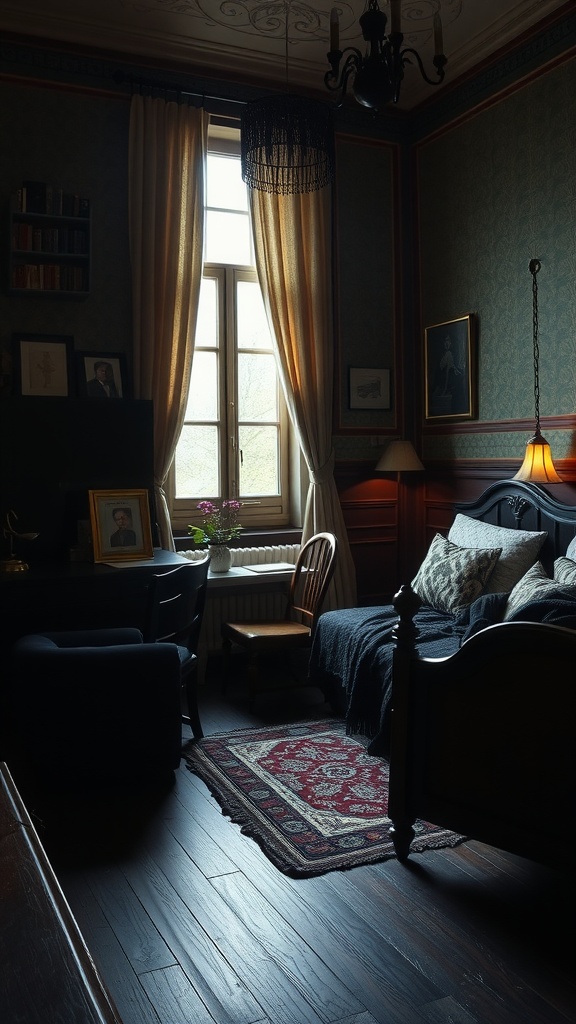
[[391, 523]]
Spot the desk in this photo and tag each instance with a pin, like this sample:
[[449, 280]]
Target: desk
[[48, 976], [84, 595], [77, 595]]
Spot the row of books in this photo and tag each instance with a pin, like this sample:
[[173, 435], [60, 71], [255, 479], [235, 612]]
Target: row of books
[[41, 197], [49, 277], [30, 238]]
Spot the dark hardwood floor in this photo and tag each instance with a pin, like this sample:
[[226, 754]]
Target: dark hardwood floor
[[189, 923]]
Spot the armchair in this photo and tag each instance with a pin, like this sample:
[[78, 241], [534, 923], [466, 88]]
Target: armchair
[[96, 705]]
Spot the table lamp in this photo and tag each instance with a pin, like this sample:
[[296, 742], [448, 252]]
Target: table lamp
[[399, 457]]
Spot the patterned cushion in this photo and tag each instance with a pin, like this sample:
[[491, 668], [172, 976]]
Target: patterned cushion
[[519, 549], [571, 549], [451, 578], [565, 572], [533, 586]]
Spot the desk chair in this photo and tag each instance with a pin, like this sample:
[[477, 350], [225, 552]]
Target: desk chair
[[310, 581], [176, 602]]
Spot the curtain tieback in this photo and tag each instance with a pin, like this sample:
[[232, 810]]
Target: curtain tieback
[[325, 472]]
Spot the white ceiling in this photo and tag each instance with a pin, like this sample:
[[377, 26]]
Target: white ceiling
[[247, 38]]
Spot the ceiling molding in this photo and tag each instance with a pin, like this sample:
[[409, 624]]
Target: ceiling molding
[[247, 39]]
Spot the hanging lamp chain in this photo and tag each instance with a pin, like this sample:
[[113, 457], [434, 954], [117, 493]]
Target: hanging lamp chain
[[288, 5], [534, 268]]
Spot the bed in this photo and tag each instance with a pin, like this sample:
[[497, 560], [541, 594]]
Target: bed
[[467, 682]]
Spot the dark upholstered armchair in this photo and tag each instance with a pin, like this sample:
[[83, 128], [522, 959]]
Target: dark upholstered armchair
[[96, 705]]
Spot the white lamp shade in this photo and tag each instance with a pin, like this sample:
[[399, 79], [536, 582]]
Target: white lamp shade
[[399, 457]]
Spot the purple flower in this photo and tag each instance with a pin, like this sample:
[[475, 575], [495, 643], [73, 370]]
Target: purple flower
[[219, 523]]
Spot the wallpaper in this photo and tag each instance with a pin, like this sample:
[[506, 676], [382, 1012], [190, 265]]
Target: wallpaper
[[493, 192], [365, 243], [79, 143]]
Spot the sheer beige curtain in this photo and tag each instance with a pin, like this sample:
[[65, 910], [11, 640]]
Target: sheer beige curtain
[[166, 208], [293, 242]]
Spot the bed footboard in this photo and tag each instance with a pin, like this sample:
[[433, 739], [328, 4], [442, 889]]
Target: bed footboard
[[483, 741]]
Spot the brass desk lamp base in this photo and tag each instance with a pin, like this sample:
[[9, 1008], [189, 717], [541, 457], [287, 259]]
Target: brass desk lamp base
[[13, 565]]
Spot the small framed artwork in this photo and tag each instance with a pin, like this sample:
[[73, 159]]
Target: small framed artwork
[[450, 370], [120, 522], [43, 364], [101, 375], [369, 389]]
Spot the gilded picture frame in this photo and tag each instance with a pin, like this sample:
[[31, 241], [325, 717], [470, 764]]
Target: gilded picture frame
[[450, 371], [120, 523]]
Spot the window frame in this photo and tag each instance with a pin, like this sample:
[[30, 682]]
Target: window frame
[[258, 512]]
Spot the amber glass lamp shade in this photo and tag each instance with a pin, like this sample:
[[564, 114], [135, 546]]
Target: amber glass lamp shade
[[538, 467]]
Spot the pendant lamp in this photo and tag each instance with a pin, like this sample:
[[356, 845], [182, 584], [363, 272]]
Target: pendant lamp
[[538, 466], [287, 142]]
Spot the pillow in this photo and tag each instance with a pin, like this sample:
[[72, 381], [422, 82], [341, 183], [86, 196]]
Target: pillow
[[519, 549], [565, 572], [533, 586], [571, 549], [451, 578]]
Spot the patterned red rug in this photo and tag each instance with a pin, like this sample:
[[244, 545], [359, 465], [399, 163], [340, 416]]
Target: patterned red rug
[[311, 796]]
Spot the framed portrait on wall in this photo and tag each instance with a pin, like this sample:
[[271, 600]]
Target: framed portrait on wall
[[43, 365], [101, 375], [120, 522], [450, 370]]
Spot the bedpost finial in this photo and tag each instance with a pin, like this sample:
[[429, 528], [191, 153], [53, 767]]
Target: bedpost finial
[[406, 603]]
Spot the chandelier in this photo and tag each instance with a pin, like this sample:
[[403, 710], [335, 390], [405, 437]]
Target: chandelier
[[287, 144], [286, 141], [378, 74]]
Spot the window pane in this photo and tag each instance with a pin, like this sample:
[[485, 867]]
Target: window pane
[[203, 393], [207, 323], [224, 186], [257, 389], [259, 462], [228, 238], [196, 467], [253, 330]]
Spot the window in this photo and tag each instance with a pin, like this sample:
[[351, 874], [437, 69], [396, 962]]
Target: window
[[234, 441]]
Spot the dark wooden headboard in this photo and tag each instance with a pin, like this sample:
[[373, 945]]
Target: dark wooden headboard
[[522, 506]]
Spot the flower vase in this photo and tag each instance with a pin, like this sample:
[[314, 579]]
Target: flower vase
[[220, 557]]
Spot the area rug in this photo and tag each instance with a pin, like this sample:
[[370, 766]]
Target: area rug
[[310, 795]]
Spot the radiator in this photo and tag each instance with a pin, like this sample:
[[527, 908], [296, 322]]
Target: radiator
[[263, 602], [254, 556]]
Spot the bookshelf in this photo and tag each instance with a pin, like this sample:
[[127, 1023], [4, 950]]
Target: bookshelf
[[49, 242]]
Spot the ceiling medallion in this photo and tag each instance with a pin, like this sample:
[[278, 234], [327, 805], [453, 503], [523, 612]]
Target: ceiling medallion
[[308, 23]]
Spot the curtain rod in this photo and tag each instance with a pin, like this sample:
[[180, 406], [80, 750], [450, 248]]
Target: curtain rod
[[143, 83]]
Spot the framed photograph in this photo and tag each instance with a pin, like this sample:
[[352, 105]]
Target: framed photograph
[[101, 375], [43, 364], [120, 522], [369, 389], [450, 370]]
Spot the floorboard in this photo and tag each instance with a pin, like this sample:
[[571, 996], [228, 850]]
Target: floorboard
[[189, 922]]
